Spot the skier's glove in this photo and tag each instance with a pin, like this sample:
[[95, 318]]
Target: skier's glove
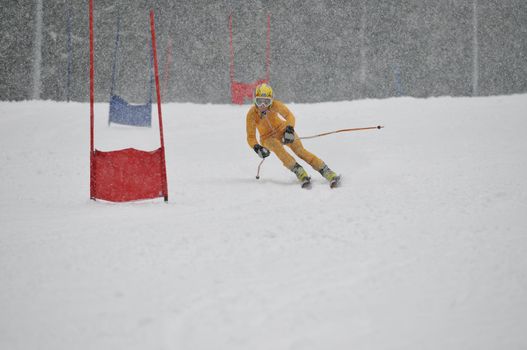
[[289, 135], [261, 151]]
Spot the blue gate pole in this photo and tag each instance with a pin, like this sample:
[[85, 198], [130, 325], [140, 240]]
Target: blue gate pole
[[397, 77], [114, 66], [70, 54]]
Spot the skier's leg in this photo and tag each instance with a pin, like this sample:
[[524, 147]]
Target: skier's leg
[[317, 163], [289, 162], [305, 155], [277, 148]]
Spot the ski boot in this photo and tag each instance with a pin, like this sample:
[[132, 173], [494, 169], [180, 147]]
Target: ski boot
[[302, 175], [330, 175]]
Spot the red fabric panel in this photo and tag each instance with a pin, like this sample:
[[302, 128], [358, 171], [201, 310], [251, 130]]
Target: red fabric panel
[[128, 175]]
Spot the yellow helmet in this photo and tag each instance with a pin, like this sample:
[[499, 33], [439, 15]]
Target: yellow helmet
[[263, 95]]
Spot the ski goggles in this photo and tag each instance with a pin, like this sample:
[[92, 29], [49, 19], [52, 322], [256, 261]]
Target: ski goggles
[[263, 101]]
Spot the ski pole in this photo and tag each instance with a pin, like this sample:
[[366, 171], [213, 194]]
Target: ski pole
[[259, 165], [341, 130], [324, 134]]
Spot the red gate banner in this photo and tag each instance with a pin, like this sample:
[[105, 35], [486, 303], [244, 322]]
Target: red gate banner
[[128, 174]]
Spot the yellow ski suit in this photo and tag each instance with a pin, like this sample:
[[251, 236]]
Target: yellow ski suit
[[271, 126]]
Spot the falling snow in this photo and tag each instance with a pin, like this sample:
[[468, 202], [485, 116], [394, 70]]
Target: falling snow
[[320, 50]]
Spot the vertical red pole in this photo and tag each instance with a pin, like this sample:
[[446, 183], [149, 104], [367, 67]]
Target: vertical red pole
[[162, 139], [268, 50], [231, 51], [92, 113]]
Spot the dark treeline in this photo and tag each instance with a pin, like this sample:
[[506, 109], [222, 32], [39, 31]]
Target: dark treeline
[[320, 50]]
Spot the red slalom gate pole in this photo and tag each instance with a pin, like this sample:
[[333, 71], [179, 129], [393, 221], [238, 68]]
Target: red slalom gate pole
[[341, 130], [268, 50], [158, 92], [231, 50]]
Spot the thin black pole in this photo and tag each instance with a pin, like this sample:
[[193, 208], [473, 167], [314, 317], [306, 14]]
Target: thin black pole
[[70, 54]]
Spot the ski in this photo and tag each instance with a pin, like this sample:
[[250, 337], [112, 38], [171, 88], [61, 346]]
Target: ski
[[335, 182], [306, 183]]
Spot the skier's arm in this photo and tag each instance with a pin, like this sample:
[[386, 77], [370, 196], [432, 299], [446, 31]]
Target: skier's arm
[[286, 113], [250, 125]]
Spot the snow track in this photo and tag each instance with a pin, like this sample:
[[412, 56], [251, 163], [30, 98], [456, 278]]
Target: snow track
[[423, 246]]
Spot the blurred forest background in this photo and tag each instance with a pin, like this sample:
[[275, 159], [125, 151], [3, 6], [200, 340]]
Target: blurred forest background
[[321, 50]]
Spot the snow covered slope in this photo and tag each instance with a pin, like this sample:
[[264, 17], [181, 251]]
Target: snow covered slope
[[423, 247]]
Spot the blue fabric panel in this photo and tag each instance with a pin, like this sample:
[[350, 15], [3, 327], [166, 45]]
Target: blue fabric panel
[[121, 112]]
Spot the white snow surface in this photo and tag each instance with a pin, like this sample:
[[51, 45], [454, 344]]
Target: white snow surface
[[422, 247]]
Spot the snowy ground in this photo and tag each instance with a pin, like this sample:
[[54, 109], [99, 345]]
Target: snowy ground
[[423, 247]]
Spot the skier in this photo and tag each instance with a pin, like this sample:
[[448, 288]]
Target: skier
[[275, 124]]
